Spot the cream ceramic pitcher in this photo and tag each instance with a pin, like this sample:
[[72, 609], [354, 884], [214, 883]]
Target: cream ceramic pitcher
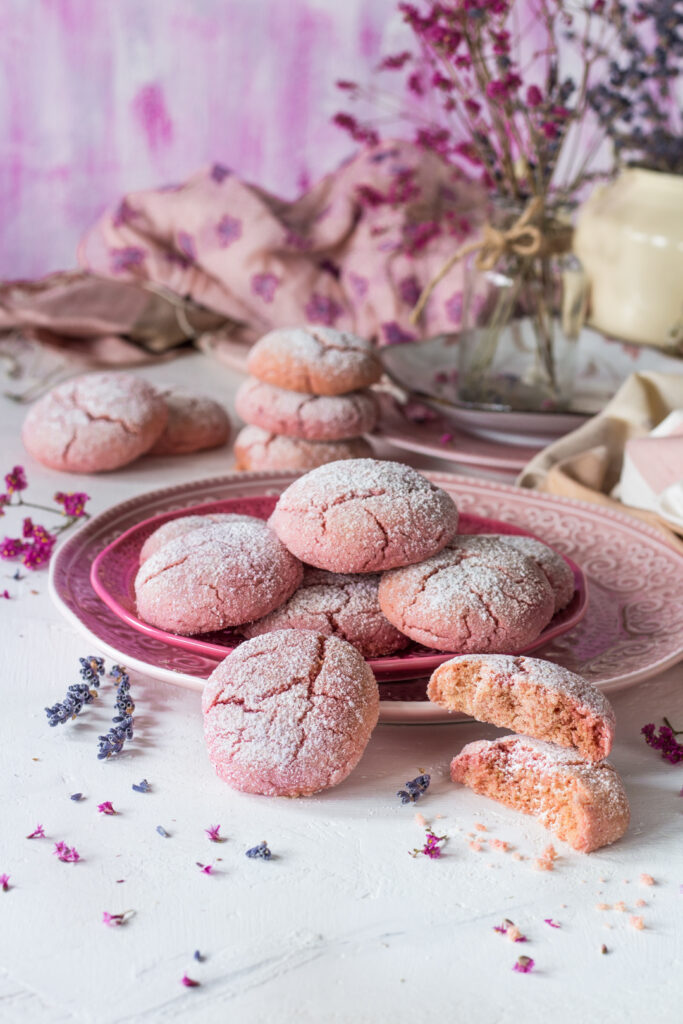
[[629, 238]]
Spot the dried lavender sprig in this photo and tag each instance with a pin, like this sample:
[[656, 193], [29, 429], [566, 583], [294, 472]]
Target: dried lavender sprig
[[122, 729], [79, 694]]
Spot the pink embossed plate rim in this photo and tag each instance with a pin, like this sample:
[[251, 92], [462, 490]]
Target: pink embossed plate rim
[[113, 573]]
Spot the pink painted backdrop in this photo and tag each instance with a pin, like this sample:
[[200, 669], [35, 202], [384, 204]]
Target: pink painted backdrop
[[98, 98]]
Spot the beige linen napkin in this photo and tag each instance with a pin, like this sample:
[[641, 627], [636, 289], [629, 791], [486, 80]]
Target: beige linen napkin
[[586, 464]]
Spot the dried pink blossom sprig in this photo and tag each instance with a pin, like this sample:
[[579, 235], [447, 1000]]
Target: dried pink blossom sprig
[[4, 883], [214, 834], [106, 808], [432, 846], [36, 544], [189, 982], [38, 833], [492, 86], [206, 869], [524, 965], [664, 740], [549, 921]]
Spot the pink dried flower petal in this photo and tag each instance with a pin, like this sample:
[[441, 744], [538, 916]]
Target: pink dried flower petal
[[189, 982], [206, 869], [114, 920], [4, 882], [106, 808], [67, 854], [524, 965], [553, 924], [38, 833], [213, 832]]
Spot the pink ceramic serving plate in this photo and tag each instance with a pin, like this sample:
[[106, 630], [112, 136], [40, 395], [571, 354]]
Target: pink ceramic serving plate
[[114, 569], [633, 629]]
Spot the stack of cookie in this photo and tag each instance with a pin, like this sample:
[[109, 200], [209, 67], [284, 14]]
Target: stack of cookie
[[306, 402]]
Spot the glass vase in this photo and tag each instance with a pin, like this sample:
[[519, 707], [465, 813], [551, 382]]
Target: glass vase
[[521, 320]]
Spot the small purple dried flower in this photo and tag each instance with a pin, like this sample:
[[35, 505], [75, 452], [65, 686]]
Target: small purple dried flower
[[73, 503], [142, 787], [524, 965], [198, 957], [432, 846], [16, 480], [76, 797], [665, 741], [38, 833], [162, 832], [261, 851], [414, 789]]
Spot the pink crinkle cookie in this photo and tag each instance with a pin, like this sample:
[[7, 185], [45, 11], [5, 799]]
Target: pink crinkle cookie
[[336, 605], [364, 515], [186, 524], [289, 713], [94, 423], [476, 596], [195, 423], [312, 417], [313, 359], [224, 575], [560, 576], [531, 696], [583, 803], [257, 449]]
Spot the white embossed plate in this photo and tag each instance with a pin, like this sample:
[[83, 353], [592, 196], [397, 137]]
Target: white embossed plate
[[633, 628]]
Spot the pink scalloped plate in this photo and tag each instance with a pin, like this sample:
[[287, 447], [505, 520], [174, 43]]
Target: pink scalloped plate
[[114, 569], [634, 581]]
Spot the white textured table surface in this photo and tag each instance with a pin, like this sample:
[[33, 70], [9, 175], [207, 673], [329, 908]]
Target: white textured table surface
[[342, 924]]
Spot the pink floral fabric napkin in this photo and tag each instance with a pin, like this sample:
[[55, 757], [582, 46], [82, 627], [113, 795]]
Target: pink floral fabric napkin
[[353, 252]]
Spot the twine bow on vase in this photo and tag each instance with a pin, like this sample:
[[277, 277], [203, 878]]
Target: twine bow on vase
[[523, 238]]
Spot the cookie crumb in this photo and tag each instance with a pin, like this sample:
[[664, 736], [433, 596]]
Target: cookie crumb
[[604, 949], [646, 880], [636, 922]]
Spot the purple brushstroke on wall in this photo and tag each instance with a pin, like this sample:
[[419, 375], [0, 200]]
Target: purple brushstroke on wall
[[99, 99]]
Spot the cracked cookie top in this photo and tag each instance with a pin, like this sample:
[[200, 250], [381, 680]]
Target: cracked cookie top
[[364, 515], [289, 713], [96, 422], [336, 605], [223, 575], [314, 359], [256, 448], [478, 595]]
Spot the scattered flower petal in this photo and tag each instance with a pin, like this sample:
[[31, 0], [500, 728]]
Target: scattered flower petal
[[38, 833], [553, 924], [162, 832], [199, 957], [213, 832], [524, 965], [4, 883], [114, 920], [206, 869], [67, 854], [106, 808], [261, 851], [76, 797], [189, 982], [142, 787], [414, 789]]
